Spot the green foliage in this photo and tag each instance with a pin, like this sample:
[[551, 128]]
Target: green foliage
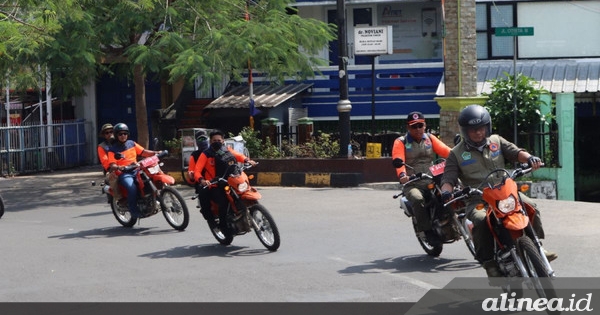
[[173, 145], [323, 146], [253, 140], [500, 104], [320, 146]]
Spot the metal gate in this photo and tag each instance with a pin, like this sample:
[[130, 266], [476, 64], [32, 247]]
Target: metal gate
[[34, 148]]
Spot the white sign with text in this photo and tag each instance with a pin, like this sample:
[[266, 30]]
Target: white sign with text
[[373, 40]]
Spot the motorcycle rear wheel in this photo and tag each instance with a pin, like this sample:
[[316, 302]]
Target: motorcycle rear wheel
[[186, 177], [221, 237], [123, 216], [174, 208], [431, 249], [539, 275], [1, 207], [264, 226]]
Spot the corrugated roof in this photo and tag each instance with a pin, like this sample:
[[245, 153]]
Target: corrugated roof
[[264, 96], [554, 75]]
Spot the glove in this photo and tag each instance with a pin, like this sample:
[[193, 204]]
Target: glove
[[446, 196], [533, 160]]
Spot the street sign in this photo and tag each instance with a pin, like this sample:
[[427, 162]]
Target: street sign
[[514, 31]]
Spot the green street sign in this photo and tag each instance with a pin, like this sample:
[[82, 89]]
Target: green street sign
[[514, 31]]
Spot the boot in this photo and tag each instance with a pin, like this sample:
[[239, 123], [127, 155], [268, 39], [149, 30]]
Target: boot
[[550, 255], [491, 268]]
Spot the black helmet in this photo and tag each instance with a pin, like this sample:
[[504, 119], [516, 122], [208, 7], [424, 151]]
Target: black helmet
[[473, 117], [120, 127]]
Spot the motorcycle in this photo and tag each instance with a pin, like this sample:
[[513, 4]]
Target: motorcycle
[[244, 212], [448, 223], [518, 250], [154, 194]]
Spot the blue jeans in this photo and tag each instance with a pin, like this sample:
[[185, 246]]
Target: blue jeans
[[127, 180]]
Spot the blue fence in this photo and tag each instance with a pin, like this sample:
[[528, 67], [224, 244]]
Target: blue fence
[[34, 148], [399, 89]]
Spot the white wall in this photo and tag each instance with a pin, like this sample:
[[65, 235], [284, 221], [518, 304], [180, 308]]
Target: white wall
[[561, 29]]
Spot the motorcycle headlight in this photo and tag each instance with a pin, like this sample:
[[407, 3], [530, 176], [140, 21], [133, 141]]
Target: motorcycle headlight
[[242, 187], [507, 205]]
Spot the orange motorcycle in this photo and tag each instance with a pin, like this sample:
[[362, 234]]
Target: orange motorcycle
[[244, 212], [155, 194], [518, 250]]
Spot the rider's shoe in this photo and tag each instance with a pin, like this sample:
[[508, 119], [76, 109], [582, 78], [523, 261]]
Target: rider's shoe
[[491, 269], [550, 255]]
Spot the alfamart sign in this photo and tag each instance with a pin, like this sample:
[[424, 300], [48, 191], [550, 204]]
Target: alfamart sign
[[376, 40]]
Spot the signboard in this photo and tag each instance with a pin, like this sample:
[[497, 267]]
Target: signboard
[[373, 40], [513, 31]]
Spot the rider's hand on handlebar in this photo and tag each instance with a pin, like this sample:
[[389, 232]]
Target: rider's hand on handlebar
[[204, 182], [403, 179], [535, 162], [446, 196]]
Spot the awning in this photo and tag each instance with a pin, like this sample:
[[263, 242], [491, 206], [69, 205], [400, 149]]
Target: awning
[[265, 96], [554, 75]]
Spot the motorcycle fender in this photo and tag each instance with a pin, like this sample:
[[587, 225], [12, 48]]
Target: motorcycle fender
[[164, 178], [251, 194], [516, 221]]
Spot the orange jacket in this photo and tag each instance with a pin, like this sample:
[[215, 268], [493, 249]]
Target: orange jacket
[[130, 151]]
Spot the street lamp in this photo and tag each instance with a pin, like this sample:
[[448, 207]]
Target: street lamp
[[343, 106]]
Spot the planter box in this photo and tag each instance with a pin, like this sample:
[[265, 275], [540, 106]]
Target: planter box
[[310, 172]]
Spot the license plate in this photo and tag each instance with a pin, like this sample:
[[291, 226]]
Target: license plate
[[437, 169], [154, 169]]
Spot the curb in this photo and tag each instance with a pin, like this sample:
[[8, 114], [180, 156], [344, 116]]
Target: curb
[[299, 179]]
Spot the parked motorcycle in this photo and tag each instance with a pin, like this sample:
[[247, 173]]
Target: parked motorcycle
[[449, 223], [154, 194], [244, 212], [518, 250]]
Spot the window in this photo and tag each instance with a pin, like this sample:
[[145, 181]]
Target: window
[[489, 16]]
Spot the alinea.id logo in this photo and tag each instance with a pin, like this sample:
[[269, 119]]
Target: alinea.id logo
[[512, 304]]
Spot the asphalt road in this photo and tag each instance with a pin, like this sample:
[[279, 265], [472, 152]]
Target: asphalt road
[[60, 243]]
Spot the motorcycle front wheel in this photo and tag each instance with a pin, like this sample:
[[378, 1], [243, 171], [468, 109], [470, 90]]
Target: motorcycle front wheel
[[431, 249], [122, 214], [539, 275], [464, 226], [265, 227], [174, 208]]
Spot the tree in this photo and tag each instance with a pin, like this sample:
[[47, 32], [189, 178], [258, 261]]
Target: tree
[[500, 104], [183, 40], [172, 39]]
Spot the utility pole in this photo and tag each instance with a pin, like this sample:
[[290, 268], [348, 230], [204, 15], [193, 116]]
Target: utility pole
[[343, 106]]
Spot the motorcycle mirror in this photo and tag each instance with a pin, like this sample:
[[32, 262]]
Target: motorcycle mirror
[[155, 143], [118, 155], [397, 162]]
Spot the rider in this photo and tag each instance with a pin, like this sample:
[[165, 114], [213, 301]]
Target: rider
[[202, 144], [418, 148], [123, 153], [211, 163], [203, 194], [111, 178], [471, 160]]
